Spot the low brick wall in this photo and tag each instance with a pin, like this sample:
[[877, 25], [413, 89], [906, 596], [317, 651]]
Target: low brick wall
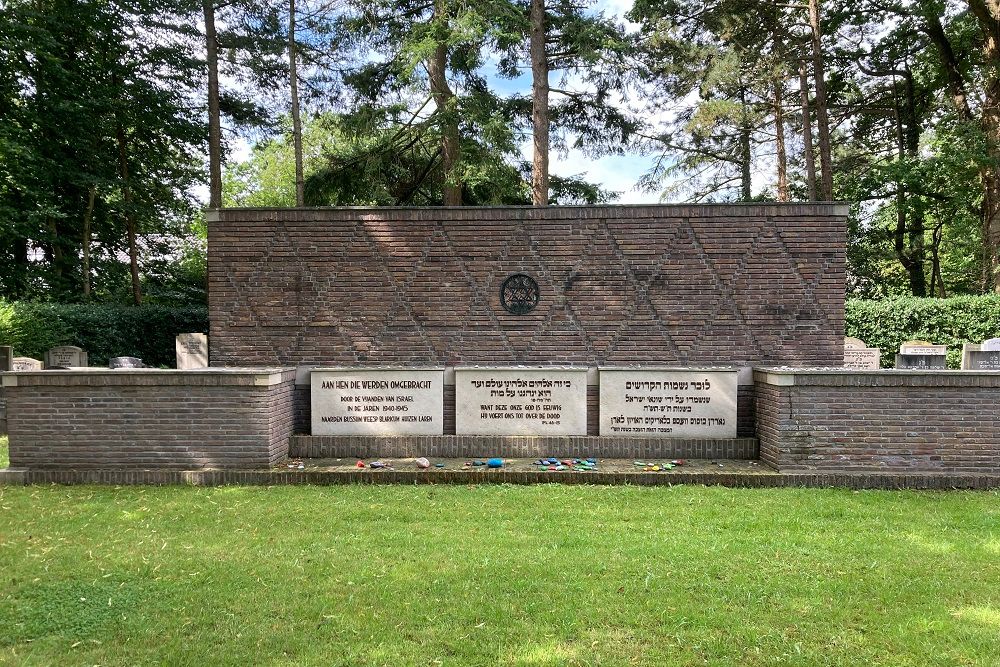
[[879, 421], [485, 446], [149, 418]]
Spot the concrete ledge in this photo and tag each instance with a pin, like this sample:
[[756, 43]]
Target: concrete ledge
[[148, 377], [325, 477], [839, 377], [468, 446]]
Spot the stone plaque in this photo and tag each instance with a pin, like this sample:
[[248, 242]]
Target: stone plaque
[[125, 362], [376, 401], [521, 401], [25, 364], [863, 358], [852, 343], [6, 358], [922, 361], [991, 345], [668, 403], [911, 347], [983, 360], [192, 350], [65, 356]]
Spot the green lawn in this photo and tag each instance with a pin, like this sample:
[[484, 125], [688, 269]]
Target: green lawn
[[4, 461], [540, 575]]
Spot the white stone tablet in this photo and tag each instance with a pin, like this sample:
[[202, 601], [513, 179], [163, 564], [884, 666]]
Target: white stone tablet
[[521, 401], [668, 402], [374, 401]]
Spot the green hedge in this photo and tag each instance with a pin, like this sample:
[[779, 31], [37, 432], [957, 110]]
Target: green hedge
[[951, 322], [104, 331]]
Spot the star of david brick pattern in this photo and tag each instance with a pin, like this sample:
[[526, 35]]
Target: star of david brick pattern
[[673, 285]]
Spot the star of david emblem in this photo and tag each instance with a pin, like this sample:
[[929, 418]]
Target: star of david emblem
[[519, 294]]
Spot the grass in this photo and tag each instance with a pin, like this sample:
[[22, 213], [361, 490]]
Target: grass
[[497, 575], [4, 461]]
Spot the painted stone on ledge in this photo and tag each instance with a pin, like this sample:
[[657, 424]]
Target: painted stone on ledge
[[521, 401], [377, 401], [668, 402]]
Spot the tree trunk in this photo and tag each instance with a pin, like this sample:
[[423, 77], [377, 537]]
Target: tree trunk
[[444, 100], [87, 217], [779, 139], [908, 237], [130, 224], [822, 119], [539, 106], [214, 114], [296, 121], [987, 14], [807, 139]]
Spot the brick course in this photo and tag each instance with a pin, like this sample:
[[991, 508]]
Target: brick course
[[879, 421], [722, 285], [149, 418]]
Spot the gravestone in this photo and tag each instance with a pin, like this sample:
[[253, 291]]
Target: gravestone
[[859, 356], [982, 357], [912, 347], [65, 356], [377, 401], [6, 358], [192, 350], [521, 401], [668, 402], [26, 364], [125, 362], [919, 354]]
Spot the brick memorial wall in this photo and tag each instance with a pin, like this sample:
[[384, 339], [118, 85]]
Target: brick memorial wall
[[149, 418], [879, 421], [669, 285]]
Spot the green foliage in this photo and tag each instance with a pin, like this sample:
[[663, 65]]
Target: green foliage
[[952, 322], [104, 331]]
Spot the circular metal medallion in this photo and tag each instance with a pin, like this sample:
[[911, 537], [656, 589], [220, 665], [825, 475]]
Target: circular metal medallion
[[519, 294]]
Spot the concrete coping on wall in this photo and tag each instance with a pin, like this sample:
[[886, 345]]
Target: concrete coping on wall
[[144, 377], [534, 213], [887, 377]]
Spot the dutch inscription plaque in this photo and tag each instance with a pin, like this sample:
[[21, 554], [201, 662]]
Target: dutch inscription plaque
[[65, 356], [521, 401], [374, 401], [191, 350], [668, 403]]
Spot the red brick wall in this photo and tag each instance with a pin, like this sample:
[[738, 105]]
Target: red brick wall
[[688, 285], [739, 285], [149, 418], [888, 421]]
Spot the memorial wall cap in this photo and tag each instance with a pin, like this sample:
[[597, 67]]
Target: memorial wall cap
[[991, 345], [854, 343]]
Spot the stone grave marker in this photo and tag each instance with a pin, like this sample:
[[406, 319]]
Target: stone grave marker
[[859, 356], [6, 358], [919, 354], [668, 402], [982, 357], [377, 401], [192, 350], [26, 364], [521, 401], [125, 362], [65, 356]]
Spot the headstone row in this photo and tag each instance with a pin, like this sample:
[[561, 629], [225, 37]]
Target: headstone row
[[551, 401], [191, 350], [919, 354]]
